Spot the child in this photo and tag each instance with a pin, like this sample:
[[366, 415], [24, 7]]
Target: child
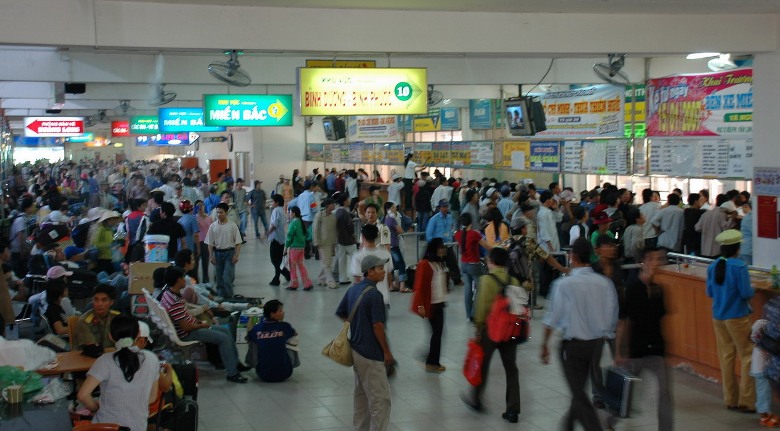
[[758, 371], [270, 340]]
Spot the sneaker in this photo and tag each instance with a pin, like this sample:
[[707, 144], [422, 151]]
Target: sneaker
[[241, 367], [237, 378], [510, 417], [274, 282]]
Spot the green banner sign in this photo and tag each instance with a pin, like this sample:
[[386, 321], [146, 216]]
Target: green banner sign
[[255, 110], [144, 125]]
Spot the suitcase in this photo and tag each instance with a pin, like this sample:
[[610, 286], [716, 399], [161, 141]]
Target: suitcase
[[185, 415], [188, 377], [81, 284], [619, 386]]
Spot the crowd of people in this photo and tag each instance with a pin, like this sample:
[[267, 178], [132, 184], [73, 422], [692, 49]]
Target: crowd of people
[[481, 234]]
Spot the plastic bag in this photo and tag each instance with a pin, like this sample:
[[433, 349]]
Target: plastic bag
[[30, 380], [55, 390], [24, 353], [472, 366]]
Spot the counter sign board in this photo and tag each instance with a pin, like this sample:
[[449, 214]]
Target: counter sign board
[[144, 125], [53, 126], [345, 91], [177, 120], [238, 110]]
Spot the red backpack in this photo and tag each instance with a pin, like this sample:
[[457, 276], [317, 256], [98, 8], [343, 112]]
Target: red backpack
[[508, 319]]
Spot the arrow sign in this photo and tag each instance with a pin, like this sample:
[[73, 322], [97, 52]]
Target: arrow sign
[[53, 126]]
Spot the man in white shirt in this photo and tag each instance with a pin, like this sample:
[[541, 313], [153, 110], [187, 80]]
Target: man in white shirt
[[369, 234], [308, 206], [669, 223], [224, 242], [394, 190], [648, 209], [442, 191], [547, 237]]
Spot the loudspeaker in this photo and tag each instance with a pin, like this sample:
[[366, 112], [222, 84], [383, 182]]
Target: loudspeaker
[[75, 88]]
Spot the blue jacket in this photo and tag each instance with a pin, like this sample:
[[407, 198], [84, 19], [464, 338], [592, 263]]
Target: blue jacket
[[730, 300], [440, 226]]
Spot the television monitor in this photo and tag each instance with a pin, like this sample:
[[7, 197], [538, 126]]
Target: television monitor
[[334, 128], [517, 120]]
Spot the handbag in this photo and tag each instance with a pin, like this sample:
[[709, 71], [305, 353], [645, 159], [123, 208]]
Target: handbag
[[339, 349], [472, 366], [508, 318], [285, 262]]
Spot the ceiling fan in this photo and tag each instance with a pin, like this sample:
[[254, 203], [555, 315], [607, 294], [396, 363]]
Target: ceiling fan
[[612, 71]]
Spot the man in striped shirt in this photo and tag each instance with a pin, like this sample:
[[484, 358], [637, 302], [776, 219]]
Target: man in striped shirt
[[189, 328]]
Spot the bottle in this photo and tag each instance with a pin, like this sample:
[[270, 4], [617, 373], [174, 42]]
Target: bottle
[[775, 277]]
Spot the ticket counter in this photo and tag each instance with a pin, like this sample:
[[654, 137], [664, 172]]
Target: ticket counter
[[690, 337]]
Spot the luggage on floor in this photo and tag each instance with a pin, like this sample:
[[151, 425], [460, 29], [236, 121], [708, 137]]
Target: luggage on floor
[[185, 415], [81, 284], [619, 386], [188, 376]]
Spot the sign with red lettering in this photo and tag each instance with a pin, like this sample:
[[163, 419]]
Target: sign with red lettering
[[53, 126], [767, 219], [120, 128]]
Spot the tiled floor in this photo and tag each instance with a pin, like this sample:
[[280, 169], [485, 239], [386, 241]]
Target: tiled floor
[[319, 394]]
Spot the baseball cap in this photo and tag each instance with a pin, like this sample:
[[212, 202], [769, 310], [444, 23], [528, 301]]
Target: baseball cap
[[490, 192], [371, 261], [443, 203], [728, 237], [144, 331], [57, 271]]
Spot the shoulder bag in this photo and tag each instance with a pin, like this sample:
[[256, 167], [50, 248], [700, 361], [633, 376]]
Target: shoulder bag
[[508, 318], [339, 349]]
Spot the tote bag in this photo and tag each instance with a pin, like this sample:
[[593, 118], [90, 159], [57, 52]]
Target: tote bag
[[339, 349]]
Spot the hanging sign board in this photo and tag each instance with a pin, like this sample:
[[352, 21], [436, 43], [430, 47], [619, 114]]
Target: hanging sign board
[[53, 126], [344, 91], [352, 64], [120, 128], [176, 120], [711, 104], [144, 125], [257, 110], [584, 112]]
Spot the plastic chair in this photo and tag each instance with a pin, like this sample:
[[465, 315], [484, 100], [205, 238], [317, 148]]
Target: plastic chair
[[163, 321], [72, 322], [100, 427]]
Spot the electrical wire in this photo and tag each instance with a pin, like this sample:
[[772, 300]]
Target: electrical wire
[[545, 76]]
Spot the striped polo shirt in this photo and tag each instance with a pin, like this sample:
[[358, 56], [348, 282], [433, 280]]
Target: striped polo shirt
[[174, 305]]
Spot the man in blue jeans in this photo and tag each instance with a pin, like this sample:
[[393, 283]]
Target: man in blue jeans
[[189, 328], [224, 242]]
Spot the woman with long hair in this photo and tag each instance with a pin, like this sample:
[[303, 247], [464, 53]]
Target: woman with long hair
[[471, 268], [728, 284], [430, 294], [295, 244], [496, 230], [127, 379]]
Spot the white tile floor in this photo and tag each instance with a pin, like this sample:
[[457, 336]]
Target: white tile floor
[[319, 394]]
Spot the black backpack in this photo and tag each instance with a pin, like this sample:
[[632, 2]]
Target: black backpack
[[519, 264]]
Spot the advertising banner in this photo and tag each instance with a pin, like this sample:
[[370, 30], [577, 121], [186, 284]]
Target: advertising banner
[[315, 152], [450, 118], [362, 91], [441, 153], [424, 152], [430, 122], [144, 125], [516, 155], [391, 154], [255, 110], [460, 154], [590, 111], [377, 127], [545, 156], [480, 114], [766, 181], [712, 104], [177, 120]]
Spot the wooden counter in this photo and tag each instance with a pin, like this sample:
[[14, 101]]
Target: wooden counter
[[688, 330]]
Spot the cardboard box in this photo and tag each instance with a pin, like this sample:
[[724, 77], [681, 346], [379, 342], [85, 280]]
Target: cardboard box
[[140, 276]]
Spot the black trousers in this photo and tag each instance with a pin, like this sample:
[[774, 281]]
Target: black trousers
[[452, 266], [277, 252], [436, 319], [408, 183], [204, 262], [577, 359], [508, 353]]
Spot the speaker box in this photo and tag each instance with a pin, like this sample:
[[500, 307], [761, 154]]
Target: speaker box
[[75, 88]]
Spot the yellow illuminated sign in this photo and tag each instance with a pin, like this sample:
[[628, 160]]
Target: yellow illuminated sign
[[344, 91], [357, 64]]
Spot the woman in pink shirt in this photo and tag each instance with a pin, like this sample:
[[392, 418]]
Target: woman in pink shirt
[[204, 221]]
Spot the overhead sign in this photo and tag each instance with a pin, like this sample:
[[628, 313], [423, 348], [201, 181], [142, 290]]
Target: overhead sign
[[53, 126], [376, 127], [22, 141], [337, 91], [353, 64], [220, 138], [144, 125], [248, 109], [163, 139], [120, 128], [87, 137], [595, 110], [175, 120], [711, 104]]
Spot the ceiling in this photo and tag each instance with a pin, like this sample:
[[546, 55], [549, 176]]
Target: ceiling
[[513, 6]]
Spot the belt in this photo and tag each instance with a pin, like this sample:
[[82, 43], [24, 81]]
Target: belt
[[577, 340], [224, 249]]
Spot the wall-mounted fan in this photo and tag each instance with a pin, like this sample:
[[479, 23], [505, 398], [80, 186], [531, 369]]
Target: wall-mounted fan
[[434, 97], [160, 96], [90, 121], [721, 62], [611, 71], [230, 71], [123, 109], [102, 116]]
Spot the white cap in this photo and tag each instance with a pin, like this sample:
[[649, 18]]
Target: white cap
[[143, 331]]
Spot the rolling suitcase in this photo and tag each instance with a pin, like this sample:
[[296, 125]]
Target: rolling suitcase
[[185, 415], [619, 386]]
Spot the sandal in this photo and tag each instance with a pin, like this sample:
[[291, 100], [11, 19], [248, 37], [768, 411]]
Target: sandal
[[770, 421], [405, 290]]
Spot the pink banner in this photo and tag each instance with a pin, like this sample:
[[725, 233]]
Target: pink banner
[[712, 104]]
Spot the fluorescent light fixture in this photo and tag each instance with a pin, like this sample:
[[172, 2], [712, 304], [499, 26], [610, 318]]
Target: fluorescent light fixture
[[700, 55]]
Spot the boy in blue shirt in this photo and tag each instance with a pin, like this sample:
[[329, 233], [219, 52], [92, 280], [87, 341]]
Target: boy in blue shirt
[[270, 338]]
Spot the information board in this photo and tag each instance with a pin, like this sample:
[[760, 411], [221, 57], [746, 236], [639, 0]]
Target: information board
[[513, 153], [608, 157], [460, 154], [705, 158], [545, 156], [315, 152], [572, 157], [482, 154], [441, 153], [424, 152]]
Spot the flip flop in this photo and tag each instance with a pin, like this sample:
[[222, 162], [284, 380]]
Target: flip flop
[[771, 421]]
